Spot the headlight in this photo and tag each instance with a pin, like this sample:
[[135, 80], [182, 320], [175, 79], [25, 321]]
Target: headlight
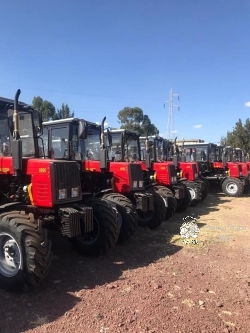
[[75, 191], [196, 176], [140, 183], [173, 179], [62, 194], [135, 184], [241, 173]]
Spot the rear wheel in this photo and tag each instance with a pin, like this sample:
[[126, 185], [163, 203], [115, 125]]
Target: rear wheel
[[168, 195], [104, 236], [128, 215], [155, 218], [184, 203], [233, 187], [25, 251]]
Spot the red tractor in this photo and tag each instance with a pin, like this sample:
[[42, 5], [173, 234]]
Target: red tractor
[[215, 166], [126, 146], [119, 183], [161, 173], [37, 194], [188, 171]]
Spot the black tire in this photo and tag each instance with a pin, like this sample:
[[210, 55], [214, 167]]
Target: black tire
[[105, 233], [183, 204], [195, 192], [168, 195], [128, 215], [206, 181], [158, 215], [205, 190], [247, 186], [233, 187], [28, 241]]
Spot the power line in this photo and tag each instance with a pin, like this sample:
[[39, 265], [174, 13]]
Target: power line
[[76, 93]]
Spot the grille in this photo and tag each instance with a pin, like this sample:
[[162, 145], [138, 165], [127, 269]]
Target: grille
[[135, 176], [172, 170], [135, 172], [65, 175]]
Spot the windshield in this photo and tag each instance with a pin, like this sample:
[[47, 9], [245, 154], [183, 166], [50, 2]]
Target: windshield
[[92, 145], [159, 150], [131, 148], [115, 151], [150, 148]]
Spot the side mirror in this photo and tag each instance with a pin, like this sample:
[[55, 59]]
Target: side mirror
[[109, 137], [82, 130]]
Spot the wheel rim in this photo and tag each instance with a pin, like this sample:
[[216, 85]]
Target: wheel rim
[[232, 188], [10, 256], [192, 193]]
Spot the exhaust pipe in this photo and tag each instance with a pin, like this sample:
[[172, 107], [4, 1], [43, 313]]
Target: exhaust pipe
[[147, 154], [17, 142], [16, 134], [103, 150], [102, 133]]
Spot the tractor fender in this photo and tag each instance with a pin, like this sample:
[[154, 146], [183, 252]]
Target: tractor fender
[[10, 204], [222, 180], [151, 185], [182, 179], [100, 193]]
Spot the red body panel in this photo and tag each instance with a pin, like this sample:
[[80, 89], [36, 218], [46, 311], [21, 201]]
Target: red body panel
[[39, 172], [245, 168], [187, 171], [161, 171], [162, 174], [119, 170], [234, 168], [248, 167]]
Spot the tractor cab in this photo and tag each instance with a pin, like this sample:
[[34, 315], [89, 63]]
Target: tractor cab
[[125, 146]]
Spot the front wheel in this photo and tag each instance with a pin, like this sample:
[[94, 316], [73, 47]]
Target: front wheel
[[25, 251], [153, 219], [233, 187], [128, 215], [167, 195], [105, 233], [195, 192], [184, 203]]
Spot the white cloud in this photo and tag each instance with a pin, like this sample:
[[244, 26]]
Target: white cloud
[[97, 123], [106, 124], [197, 126], [175, 131], [247, 104]]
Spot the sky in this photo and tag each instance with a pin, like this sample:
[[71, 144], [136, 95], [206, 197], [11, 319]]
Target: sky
[[101, 56]]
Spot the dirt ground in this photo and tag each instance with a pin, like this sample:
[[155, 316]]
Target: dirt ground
[[154, 283]]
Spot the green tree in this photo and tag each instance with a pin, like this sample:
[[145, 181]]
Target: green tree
[[133, 119], [239, 136], [64, 112], [47, 108]]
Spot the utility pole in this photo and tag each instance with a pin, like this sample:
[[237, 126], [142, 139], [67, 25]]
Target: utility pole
[[170, 126]]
